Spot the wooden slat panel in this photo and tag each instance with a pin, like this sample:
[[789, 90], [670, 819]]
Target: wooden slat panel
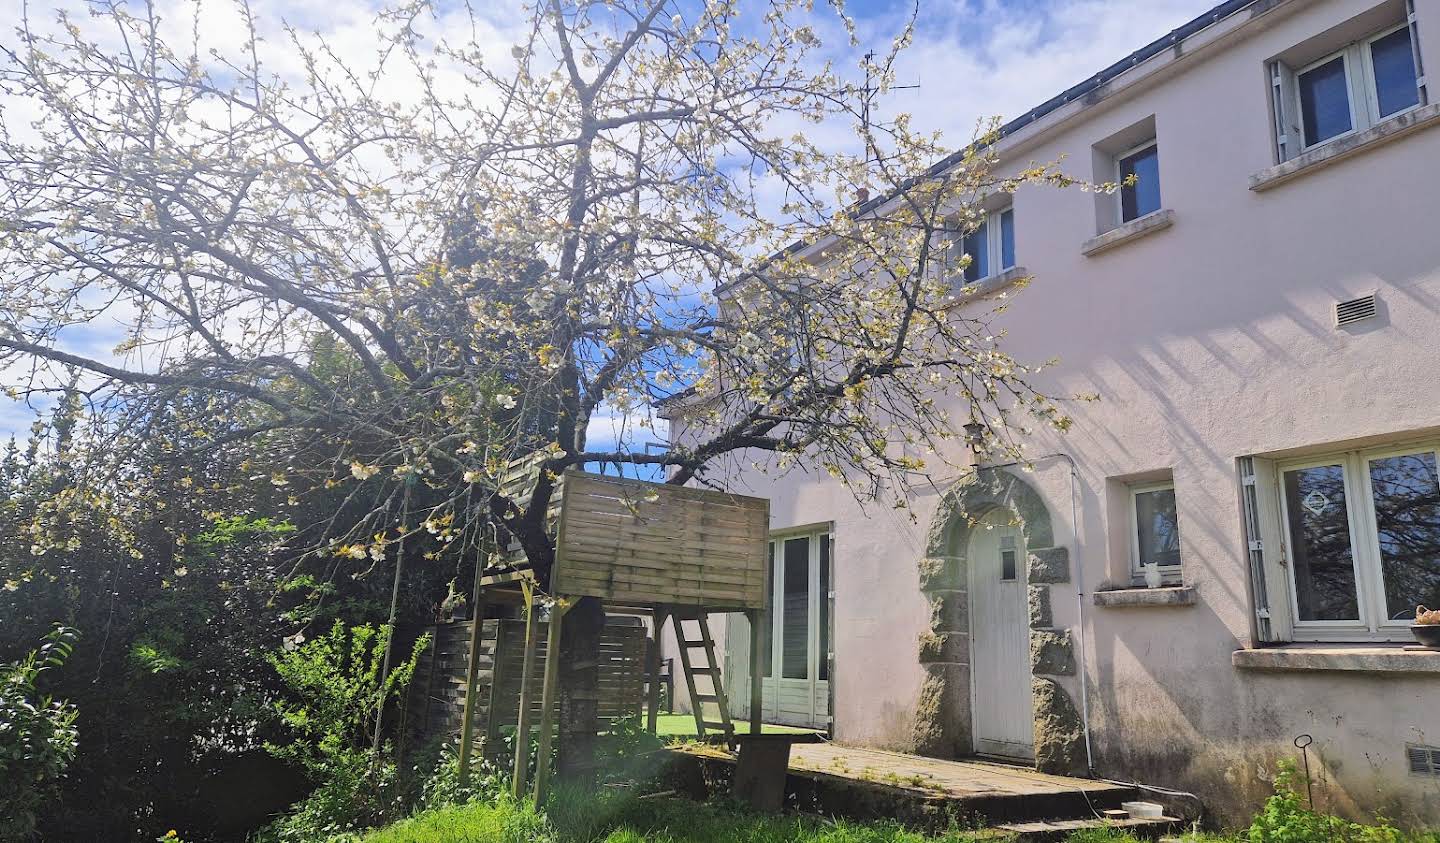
[[621, 539]]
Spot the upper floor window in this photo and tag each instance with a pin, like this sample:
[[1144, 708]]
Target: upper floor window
[[1325, 90], [1139, 179], [991, 247]]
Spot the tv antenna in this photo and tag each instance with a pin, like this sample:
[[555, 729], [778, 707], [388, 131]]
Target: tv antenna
[[868, 95]]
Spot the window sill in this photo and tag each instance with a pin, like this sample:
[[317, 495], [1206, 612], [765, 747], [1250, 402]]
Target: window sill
[[1173, 595], [990, 284], [1352, 659], [1132, 230], [1338, 150]]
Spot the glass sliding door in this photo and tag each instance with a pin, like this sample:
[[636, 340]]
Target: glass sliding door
[[794, 655], [794, 608]]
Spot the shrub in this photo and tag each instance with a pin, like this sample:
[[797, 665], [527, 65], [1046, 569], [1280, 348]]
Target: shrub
[[336, 687], [37, 735]]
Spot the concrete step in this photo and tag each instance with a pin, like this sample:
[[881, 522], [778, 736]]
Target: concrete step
[[1050, 831]]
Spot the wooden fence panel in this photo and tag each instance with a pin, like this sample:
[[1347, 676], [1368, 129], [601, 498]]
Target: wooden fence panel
[[437, 695]]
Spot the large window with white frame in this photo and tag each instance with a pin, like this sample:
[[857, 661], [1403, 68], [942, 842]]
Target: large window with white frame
[[1361, 541], [1346, 90], [991, 246], [1154, 531]]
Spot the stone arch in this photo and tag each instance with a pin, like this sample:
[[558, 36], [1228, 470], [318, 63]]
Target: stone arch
[[942, 724]]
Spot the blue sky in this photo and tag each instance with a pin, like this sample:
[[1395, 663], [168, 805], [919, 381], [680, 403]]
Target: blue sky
[[972, 59]]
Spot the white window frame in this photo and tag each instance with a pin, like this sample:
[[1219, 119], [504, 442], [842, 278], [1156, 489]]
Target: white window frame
[[1359, 86], [1119, 194], [1374, 624], [994, 245], [1168, 573]]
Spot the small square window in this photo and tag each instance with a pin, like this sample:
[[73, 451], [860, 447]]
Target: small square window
[[1139, 179], [1008, 562], [1154, 529], [993, 239]]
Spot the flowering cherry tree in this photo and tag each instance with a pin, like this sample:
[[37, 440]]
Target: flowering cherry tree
[[421, 268]]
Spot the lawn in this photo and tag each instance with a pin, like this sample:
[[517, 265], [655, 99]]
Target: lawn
[[683, 726], [570, 819]]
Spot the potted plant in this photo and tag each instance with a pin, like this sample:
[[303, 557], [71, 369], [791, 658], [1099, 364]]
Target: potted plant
[[1427, 627]]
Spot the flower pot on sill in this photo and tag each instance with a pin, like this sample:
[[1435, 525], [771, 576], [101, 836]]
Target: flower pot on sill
[[1428, 634]]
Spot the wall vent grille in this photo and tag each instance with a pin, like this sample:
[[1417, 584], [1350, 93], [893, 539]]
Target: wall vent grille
[[1355, 310], [1424, 760]]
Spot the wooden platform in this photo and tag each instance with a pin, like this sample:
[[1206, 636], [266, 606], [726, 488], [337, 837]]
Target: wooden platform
[[867, 784], [961, 780]]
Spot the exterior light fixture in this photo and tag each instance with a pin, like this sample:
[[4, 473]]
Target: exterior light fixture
[[975, 435]]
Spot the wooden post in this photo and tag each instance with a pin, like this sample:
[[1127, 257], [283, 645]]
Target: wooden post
[[652, 666], [498, 678], [756, 706], [522, 716], [472, 671], [547, 702]]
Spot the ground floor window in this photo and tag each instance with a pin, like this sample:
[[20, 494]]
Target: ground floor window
[[1361, 534]]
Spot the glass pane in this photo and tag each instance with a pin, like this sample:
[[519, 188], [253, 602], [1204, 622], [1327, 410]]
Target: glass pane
[[1320, 552], [1325, 101], [1143, 197], [1157, 527], [1407, 521], [1007, 565], [766, 629], [1007, 239], [1394, 65], [795, 617], [977, 246], [824, 607]]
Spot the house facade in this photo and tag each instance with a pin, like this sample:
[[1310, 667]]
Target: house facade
[[1222, 554]]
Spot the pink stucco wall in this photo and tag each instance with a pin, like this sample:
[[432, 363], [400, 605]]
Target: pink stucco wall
[[1207, 341]]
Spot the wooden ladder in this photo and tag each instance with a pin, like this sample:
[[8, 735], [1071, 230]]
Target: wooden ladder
[[711, 669]]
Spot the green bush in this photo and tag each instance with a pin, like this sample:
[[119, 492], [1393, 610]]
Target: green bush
[[336, 687], [1287, 819], [37, 735]]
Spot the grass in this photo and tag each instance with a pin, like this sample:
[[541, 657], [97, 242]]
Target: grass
[[683, 726], [622, 819]]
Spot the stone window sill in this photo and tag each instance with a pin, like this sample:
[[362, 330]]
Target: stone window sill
[[1130, 231], [1338, 150], [1181, 595], [1352, 659], [990, 284]]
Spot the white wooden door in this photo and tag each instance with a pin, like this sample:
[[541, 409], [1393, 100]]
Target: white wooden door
[[1000, 640], [795, 661]]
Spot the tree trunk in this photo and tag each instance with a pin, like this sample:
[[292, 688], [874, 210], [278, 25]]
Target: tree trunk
[[580, 690]]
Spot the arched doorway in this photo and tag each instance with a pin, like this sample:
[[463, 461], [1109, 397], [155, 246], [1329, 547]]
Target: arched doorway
[[977, 521]]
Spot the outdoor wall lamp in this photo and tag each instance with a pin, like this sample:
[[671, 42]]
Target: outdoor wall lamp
[[975, 435]]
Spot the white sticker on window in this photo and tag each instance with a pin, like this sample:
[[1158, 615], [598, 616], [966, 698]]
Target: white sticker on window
[[1316, 502]]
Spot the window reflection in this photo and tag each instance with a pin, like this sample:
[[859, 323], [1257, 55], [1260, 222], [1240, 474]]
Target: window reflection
[[1321, 553], [1406, 491]]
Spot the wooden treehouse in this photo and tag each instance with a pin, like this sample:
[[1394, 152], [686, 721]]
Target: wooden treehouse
[[647, 550]]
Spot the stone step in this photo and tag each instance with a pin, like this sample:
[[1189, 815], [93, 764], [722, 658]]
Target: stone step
[[1050, 831]]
